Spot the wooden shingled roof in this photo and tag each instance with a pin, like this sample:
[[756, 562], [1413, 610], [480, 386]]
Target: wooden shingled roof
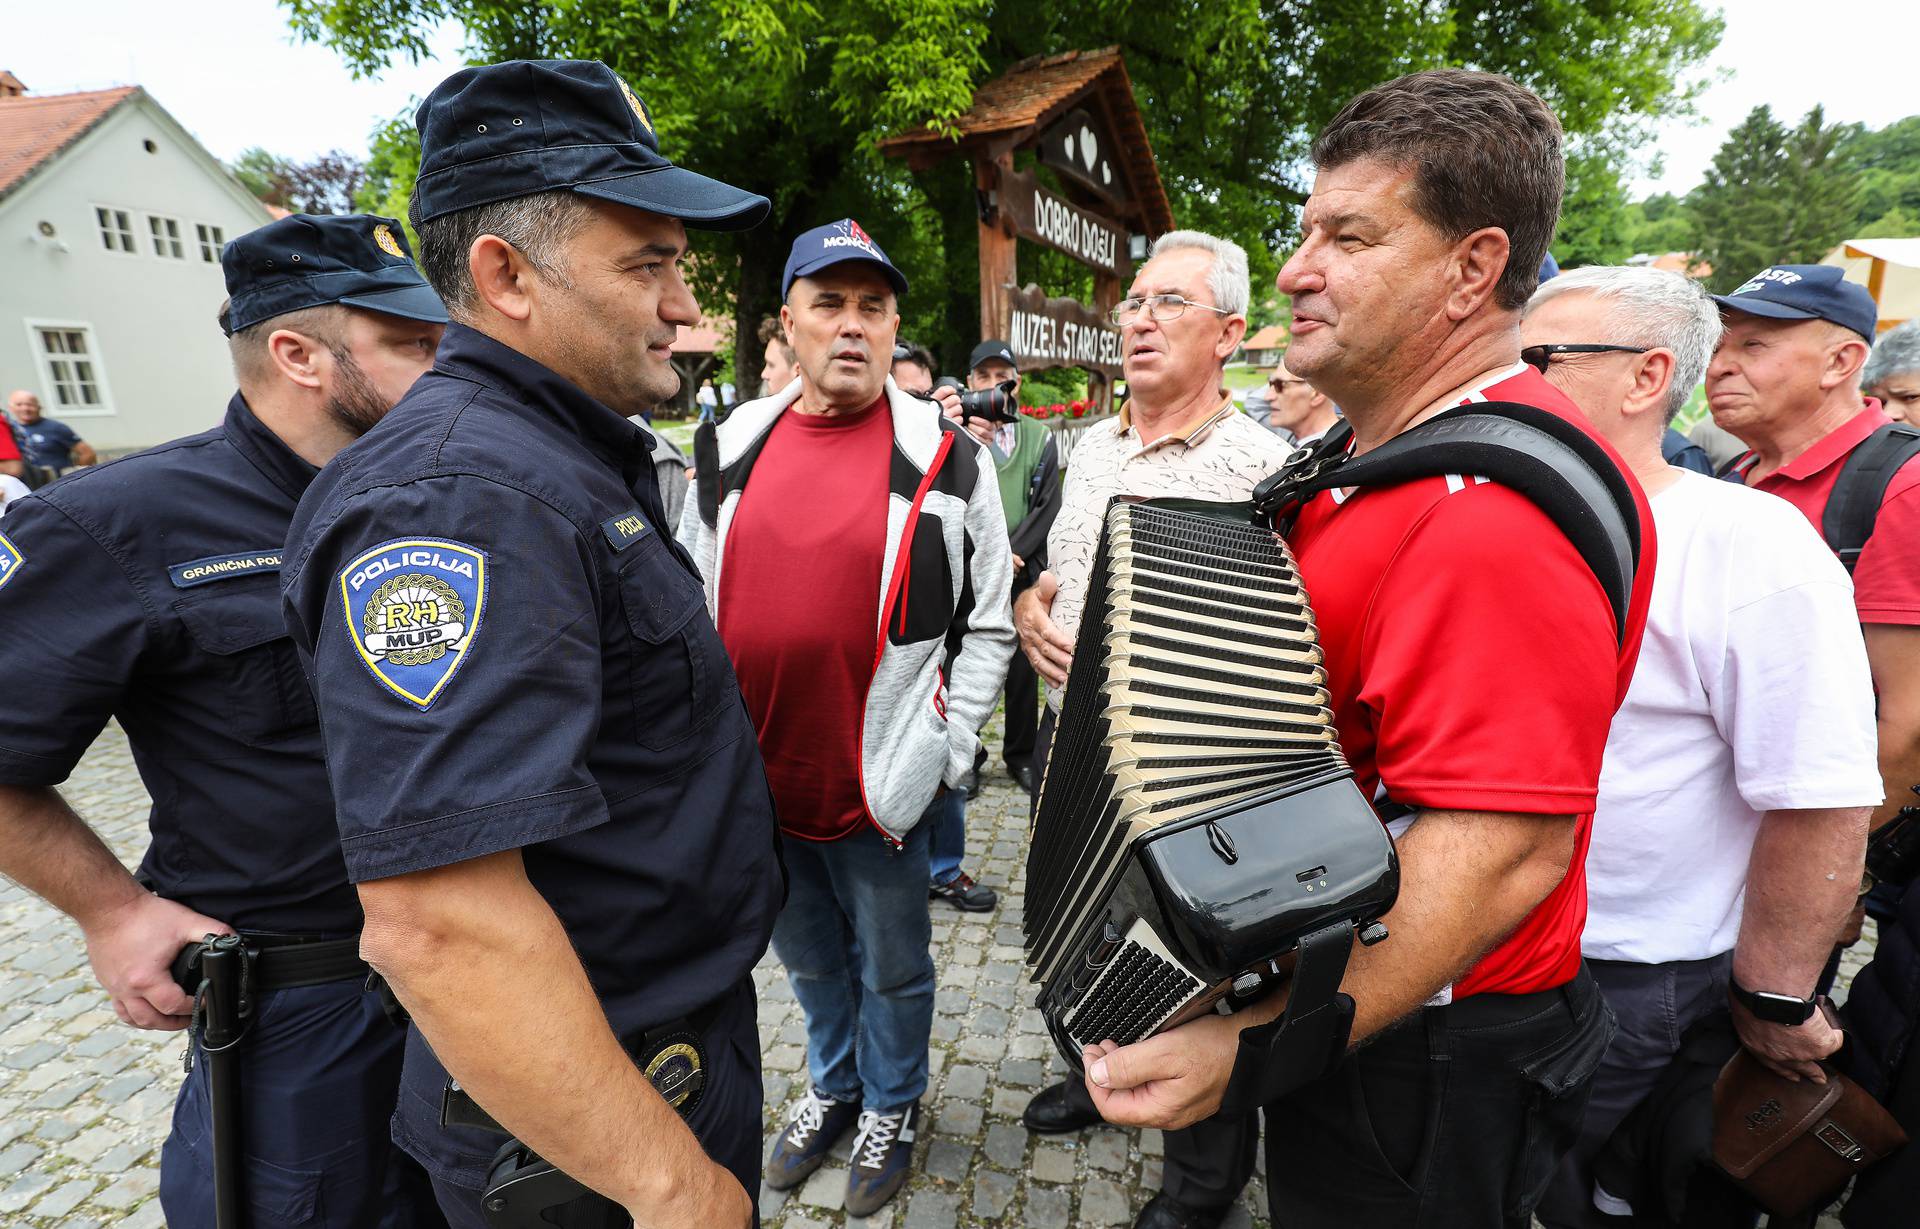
[[1014, 109]]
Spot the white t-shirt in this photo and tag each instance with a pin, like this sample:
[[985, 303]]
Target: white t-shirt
[[1752, 694], [11, 488]]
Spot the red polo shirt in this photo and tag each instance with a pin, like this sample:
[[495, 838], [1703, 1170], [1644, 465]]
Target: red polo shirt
[[1474, 665], [1886, 578]]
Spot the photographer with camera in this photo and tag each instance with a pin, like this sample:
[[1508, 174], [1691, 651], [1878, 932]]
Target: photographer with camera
[[913, 370], [1028, 462]]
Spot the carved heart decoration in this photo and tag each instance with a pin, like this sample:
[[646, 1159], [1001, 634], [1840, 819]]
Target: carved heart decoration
[[1089, 147], [1069, 147], [1106, 172]]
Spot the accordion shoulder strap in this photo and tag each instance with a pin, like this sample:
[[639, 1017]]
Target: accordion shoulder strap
[[1562, 469], [1308, 1038]]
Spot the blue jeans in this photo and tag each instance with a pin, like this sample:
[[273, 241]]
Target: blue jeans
[[948, 840], [855, 938]]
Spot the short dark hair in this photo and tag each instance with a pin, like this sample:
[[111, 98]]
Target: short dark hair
[[538, 226], [770, 330], [908, 352], [1484, 150]]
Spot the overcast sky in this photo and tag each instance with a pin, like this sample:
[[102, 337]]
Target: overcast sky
[[234, 75]]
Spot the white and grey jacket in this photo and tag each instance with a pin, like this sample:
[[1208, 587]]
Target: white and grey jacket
[[944, 630]]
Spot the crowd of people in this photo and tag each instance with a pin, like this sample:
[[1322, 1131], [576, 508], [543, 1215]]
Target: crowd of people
[[439, 667]]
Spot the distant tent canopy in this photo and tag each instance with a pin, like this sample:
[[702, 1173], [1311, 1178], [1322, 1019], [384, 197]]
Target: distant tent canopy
[[1889, 269]]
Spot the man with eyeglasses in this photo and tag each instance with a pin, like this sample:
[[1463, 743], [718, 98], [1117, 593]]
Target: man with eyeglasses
[[1675, 448], [1299, 409], [1740, 769], [1179, 434]]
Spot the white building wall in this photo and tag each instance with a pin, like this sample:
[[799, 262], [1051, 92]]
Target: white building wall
[[160, 355]]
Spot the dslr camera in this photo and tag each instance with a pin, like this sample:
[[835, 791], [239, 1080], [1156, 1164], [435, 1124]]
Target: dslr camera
[[997, 404]]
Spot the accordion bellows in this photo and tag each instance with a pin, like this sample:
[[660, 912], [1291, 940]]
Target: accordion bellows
[[1197, 816]]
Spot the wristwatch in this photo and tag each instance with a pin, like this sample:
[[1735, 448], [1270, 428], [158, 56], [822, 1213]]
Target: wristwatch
[[1771, 1007]]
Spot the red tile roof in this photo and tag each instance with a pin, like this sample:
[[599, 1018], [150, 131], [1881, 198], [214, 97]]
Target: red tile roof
[[1034, 92], [1272, 337], [33, 128]]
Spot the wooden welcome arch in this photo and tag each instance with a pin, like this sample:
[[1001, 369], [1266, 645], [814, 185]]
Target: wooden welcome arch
[[1077, 112]]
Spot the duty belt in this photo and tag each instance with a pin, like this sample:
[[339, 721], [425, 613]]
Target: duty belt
[[282, 962], [673, 1056]]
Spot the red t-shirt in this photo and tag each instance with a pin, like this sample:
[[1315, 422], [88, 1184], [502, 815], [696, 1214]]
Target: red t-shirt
[[9, 451], [1886, 577], [800, 608], [1474, 665]]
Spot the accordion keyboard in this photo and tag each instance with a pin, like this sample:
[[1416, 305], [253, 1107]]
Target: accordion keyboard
[[1197, 691]]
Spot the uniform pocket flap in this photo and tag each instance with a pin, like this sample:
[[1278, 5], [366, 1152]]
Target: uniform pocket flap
[[658, 594], [230, 618]]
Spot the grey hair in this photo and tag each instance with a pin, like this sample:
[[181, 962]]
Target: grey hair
[[1227, 280], [1652, 308], [1896, 353], [539, 227]]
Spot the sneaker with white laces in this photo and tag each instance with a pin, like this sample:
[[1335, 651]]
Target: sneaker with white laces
[[882, 1157], [815, 1127]]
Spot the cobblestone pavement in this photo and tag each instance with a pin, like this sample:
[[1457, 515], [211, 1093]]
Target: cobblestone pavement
[[84, 1100]]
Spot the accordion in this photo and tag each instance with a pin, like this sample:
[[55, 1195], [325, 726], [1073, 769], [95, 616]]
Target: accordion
[[1197, 818]]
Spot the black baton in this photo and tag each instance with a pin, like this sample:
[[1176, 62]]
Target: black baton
[[222, 1007]]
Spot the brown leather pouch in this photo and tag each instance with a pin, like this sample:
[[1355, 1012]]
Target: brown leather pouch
[[1793, 1145]]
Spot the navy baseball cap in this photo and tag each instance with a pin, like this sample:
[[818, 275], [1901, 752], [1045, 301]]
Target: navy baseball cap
[[1805, 292], [305, 260], [828, 245], [505, 130], [989, 350]]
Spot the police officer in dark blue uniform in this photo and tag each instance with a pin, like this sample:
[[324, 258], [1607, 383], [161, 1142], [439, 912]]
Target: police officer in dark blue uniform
[[146, 590], [551, 798]]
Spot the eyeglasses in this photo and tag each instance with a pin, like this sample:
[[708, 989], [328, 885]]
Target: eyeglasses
[[1160, 308], [1539, 357]]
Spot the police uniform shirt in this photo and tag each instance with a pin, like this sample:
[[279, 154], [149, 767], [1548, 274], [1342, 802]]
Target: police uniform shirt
[[146, 590], [510, 651]]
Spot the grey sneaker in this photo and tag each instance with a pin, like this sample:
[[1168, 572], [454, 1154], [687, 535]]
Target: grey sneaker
[[817, 1124], [882, 1158]]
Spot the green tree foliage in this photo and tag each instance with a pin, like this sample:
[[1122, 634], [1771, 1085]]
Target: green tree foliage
[[790, 96], [327, 184], [1774, 195]]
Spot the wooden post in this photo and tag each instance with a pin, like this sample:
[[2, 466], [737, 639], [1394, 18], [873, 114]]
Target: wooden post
[[996, 247]]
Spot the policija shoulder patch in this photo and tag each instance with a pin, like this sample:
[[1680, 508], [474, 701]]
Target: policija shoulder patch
[[413, 608], [10, 560]]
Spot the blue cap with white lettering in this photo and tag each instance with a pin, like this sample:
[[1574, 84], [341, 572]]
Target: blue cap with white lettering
[[825, 246], [1805, 292]]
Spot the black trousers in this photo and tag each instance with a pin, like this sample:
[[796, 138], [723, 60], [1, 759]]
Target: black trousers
[[1452, 1119], [1023, 713]]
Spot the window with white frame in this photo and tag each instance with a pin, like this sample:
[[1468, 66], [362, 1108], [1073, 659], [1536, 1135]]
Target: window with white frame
[[166, 237], [211, 238], [116, 228], [71, 363]]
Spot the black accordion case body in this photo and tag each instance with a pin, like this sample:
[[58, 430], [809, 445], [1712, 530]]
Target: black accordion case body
[[1197, 817]]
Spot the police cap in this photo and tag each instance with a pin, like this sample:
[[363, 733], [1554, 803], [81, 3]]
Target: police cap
[[305, 260], [501, 131]]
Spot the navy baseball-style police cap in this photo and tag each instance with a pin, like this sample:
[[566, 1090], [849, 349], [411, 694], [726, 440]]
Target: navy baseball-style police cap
[[304, 260], [1805, 292], [829, 245], [505, 130]]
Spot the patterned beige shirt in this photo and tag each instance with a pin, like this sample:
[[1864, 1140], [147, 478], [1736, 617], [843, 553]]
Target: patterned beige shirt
[[1222, 458]]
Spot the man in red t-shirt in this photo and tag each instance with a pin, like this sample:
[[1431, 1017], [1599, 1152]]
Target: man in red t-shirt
[[858, 571], [1474, 665], [1786, 380], [11, 463]]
